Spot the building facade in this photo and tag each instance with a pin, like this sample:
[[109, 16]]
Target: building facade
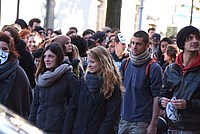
[[167, 16]]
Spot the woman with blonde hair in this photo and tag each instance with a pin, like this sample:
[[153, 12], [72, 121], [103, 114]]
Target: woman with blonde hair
[[95, 108], [77, 62], [34, 42]]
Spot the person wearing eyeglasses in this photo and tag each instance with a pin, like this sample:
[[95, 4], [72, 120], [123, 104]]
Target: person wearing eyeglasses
[[180, 94], [40, 30]]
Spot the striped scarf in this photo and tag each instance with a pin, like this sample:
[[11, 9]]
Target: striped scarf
[[140, 59]]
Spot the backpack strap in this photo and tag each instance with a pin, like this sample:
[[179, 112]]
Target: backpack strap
[[148, 66], [124, 66], [147, 79], [126, 63]]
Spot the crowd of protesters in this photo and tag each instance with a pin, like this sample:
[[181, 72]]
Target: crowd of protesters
[[98, 82]]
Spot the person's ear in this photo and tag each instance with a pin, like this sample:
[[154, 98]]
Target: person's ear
[[147, 45]]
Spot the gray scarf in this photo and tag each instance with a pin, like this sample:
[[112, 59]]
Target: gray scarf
[[140, 59], [48, 78]]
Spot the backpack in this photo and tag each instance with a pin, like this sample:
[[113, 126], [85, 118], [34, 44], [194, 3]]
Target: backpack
[[147, 67]]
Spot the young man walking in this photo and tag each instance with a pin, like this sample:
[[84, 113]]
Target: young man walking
[[140, 111], [180, 94]]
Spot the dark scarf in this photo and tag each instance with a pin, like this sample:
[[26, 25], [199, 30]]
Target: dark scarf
[[94, 82], [140, 59], [7, 78], [195, 63], [48, 78]]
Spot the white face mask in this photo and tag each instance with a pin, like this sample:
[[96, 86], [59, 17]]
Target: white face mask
[[3, 57]]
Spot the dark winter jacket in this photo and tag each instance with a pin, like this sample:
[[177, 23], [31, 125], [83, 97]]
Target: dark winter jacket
[[49, 104], [15, 89], [90, 113], [26, 61], [183, 87]]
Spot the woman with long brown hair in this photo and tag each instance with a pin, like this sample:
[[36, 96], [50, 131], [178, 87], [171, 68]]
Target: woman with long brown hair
[[54, 83]]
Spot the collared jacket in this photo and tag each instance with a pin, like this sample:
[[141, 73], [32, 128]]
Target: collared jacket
[[183, 87]]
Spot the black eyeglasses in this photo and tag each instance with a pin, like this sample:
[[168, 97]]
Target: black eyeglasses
[[41, 33]]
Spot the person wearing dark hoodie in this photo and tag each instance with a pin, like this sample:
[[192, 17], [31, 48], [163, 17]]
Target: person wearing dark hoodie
[[25, 58], [180, 94]]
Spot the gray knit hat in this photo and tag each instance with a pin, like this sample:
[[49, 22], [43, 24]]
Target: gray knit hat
[[183, 33]]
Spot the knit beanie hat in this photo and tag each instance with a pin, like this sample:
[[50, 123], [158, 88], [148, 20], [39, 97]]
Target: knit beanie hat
[[62, 39], [183, 33]]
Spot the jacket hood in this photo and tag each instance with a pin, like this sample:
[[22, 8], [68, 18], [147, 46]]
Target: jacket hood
[[195, 63]]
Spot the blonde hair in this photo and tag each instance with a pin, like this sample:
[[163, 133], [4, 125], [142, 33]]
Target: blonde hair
[[109, 72], [75, 55]]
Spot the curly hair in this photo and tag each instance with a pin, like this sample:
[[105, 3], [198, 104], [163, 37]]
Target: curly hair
[[109, 71]]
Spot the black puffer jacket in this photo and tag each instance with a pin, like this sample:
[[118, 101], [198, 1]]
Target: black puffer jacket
[[183, 87]]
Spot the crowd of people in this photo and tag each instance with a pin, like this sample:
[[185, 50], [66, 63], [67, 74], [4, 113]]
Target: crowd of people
[[98, 82]]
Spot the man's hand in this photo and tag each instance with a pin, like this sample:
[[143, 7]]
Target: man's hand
[[179, 103], [164, 101], [152, 129]]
